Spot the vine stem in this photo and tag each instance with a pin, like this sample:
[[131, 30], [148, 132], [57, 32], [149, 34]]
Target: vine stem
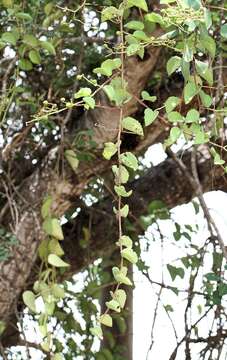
[[119, 135]]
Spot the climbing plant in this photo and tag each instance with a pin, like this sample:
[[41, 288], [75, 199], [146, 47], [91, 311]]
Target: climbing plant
[[192, 35]]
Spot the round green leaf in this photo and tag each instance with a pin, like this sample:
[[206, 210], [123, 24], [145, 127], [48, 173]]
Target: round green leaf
[[150, 116], [190, 90], [9, 37], [25, 65], [129, 255], [34, 56], [133, 125], [120, 296], [121, 174], [171, 103], [82, 92], [72, 159], [173, 64], [129, 160], [97, 331], [53, 228], [120, 190], [106, 320], [109, 150], [48, 46], [113, 305], [29, 300]]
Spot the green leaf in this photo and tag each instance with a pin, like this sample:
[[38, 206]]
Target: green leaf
[[48, 46], [43, 249], [120, 296], [200, 136], [25, 65], [106, 320], [24, 16], [56, 261], [125, 241], [113, 305], [205, 98], [188, 52], [150, 116], [171, 103], [175, 271], [82, 92], [57, 356], [49, 308], [55, 248], [190, 90], [129, 160], [48, 8], [122, 176], [121, 324], [192, 116], [45, 209], [34, 56], [204, 71], [120, 276], [175, 116], [72, 159], [194, 4], [117, 92], [97, 331], [110, 92], [217, 158], [109, 13], [52, 227], [146, 96], [209, 44], [142, 4], [175, 133], [30, 40], [109, 150], [129, 255], [173, 64], [185, 69], [120, 191], [224, 31], [132, 49], [89, 101], [29, 300], [58, 291], [7, 3], [10, 38], [108, 66], [140, 35], [123, 211], [207, 18], [154, 18], [135, 25], [133, 125]]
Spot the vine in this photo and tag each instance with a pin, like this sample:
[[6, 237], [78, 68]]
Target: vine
[[186, 31]]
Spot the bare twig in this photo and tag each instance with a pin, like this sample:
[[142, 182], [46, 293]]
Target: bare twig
[[195, 183], [6, 75]]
